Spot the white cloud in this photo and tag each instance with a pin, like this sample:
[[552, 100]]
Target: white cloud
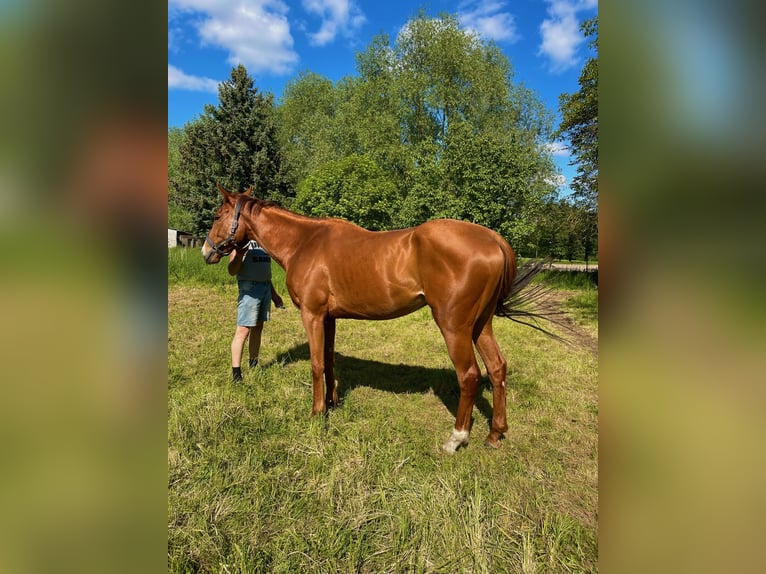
[[557, 180], [338, 16], [181, 81], [486, 18], [561, 34], [557, 149], [255, 33]]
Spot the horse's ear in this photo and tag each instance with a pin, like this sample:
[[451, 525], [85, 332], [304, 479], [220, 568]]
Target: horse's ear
[[222, 190], [249, 191]]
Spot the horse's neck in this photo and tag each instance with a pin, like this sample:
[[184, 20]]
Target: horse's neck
[[281, 232]]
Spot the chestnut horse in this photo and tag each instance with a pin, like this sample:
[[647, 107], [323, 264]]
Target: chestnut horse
[[464, 272]]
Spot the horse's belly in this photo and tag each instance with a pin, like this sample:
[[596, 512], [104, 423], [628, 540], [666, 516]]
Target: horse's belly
[[375, 307]]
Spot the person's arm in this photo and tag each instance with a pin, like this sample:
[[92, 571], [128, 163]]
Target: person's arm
[[278, 302], [235, 260]]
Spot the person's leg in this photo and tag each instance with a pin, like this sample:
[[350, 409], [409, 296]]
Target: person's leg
[[237, 344], [263, 314], [255, 343], [248, 307]]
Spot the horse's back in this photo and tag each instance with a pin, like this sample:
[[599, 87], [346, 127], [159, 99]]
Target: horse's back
[[463, 239]]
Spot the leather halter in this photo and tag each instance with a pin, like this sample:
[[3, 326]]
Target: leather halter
[[219, 248]]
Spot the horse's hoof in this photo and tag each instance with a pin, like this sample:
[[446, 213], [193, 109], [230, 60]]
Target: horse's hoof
[[332, 403], [458, 439], [493, 442]]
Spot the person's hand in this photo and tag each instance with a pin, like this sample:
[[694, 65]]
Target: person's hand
[[278, 302]]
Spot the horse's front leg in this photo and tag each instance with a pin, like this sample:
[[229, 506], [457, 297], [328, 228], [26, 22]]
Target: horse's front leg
[[331, 398], [315, 330]]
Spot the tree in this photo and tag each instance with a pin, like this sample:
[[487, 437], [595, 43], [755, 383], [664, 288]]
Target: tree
[[175, 137], [499, 182], [564, 231], [180, 215], [437, 111], [587, 228], [235, 144], [353, 188], [307, 117], [475, 138], [579, 124]]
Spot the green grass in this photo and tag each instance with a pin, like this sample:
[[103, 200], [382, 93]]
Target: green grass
[[571, 280], [581, 290], [187, 267], [584, 307], [256, 485]]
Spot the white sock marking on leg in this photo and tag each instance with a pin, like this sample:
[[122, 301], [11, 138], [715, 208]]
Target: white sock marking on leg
[[458, 438]]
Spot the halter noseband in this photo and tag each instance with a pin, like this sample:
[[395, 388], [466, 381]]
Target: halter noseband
[[219, 248]]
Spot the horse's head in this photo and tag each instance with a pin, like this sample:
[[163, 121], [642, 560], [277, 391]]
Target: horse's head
[[227, 233]]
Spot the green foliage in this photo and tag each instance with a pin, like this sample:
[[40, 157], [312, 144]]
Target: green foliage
[[579, 124], [234, 144], [179, 214], [175, 137], [307, 123], [446, 76], [496, 182], [179, 218], [438, 113], [353, 188], [565, 230]]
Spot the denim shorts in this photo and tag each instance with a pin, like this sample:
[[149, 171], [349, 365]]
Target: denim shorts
[[253, 303]]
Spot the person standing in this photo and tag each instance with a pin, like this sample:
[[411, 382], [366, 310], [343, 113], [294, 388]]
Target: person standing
[[252, 266]]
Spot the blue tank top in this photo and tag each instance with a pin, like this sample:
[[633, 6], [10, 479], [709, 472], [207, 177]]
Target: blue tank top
[[256, 264]]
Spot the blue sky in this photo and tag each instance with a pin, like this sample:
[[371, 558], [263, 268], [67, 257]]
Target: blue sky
[[277, 39]]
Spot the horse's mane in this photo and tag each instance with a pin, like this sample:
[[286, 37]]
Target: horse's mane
[[269, 203], [265, 202], [259, 204]]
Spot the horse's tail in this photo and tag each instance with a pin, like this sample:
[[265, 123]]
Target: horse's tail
[[528, 303]]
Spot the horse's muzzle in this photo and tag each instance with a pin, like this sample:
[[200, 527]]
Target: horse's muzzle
[[210, 256]]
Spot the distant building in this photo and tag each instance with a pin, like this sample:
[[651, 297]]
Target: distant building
[[178, 238]]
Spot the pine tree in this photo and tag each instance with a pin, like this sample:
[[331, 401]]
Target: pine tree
[[233, 144]]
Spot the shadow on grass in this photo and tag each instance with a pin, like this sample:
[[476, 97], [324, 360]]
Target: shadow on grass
[[353, 372]]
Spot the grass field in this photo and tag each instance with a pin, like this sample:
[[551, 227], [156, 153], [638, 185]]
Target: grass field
[[256, 485]]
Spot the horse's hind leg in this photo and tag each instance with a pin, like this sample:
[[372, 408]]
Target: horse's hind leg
[[497, 370], [461, 352]]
